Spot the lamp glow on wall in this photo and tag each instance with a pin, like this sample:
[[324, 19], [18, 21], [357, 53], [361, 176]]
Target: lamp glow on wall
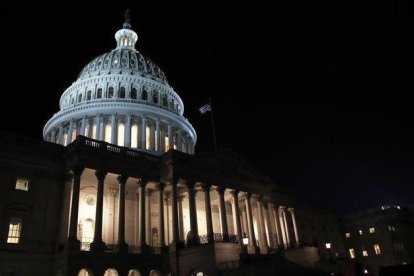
[[245, 239], [328, 245]]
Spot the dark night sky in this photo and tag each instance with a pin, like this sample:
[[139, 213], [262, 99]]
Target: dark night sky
[[316, 96]]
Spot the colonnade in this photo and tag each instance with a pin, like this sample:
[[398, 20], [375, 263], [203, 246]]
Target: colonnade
[[268, 225], [125, 130]]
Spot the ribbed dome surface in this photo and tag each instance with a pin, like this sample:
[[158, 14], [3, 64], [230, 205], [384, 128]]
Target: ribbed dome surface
[[123, 60]]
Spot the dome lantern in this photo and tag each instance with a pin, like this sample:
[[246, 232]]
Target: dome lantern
[[126, 37]]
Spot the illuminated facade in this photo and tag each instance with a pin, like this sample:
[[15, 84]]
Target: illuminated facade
[[116, 188]]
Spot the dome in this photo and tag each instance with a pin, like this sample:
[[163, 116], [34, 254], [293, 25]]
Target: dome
[[123, 98], [126, 61]]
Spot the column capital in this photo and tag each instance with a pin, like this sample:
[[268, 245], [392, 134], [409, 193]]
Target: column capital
[[142, 182], [282, 209], [122, 179], [257, 197], [190, 184], [180, 198], [148, 192], [291, 210], [247, 195], [78, 170], [100, 175], [206, 187]]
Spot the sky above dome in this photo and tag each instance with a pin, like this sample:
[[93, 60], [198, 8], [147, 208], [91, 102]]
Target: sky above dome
[[315, 96]]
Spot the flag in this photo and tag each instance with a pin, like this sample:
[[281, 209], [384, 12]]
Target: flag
[[205, 108]]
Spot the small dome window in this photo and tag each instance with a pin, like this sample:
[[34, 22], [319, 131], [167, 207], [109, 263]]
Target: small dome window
[[89, 95], [110, 92], [99, 93], [155, 97], [122, 93], [144, 94], [134, 93], [79, 98]]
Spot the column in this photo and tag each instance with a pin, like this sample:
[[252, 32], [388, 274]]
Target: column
[[97, 127], [224, 228], [272, 226], [193, 212], [98, 244], [101, 129], [167, 230], [209, 220], [295, 229], [180, 199], [282, 226], [174, 213], [73, 230], [83, 127], [236, 216], [179, 137], [152, 137], [87, 128], [268, 225], [162, 136], [144, 133], [157, 136], [60, 135], [69, 137], [127, 139], [142, 183], [123, 247], [114, 129], [53, 135], [170, 138], [161, 187], [286, 227], [262, 234], [252, 238], [276, 224], [148, 194]]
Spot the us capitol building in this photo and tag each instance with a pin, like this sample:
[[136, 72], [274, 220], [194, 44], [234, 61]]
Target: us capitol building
[[116, 188]]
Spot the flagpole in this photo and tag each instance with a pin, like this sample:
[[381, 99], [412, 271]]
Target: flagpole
[[213, 126]]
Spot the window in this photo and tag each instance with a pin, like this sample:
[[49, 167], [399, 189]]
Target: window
[[15, 228], [364, 253], [110, 92], [22, 184], [121, 131], [348, 235], [89, 95], [134, 93], [79, 98], [108, 133], [99, 93], [352, 253], [122, 93], [372, 230], [391, 228], [155, 97], [144, 95], [360, 232], [164, 100], [377, 249]]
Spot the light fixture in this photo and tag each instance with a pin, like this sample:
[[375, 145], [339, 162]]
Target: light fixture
[[365, 271], [328, 245], [245, 239]]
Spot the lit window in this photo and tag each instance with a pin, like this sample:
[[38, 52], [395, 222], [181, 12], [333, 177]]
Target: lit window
[[360, 232], [134, 136], [377, 249], [108, 130], [348, 235], [364, 253], [352, 253], [22, 184], [147, 136], [372, 230], [15, 227], [121, 131], [167, 144]]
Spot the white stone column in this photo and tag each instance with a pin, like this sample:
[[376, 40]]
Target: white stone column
[[152, 137], [70, 130], [209, 220], [162, 135], [179, 137], [286, 228], [123, 247], [161, 187], [252, 237], [97, 127], [114, 130], [295, 229], [60, 135], [144, 133], [148, 194], [101, 128], [267, 225], [282, 226], [193, 212], [275, 213], [224, 228], [53, 135], [167, 214], [98, 244], [73, 227], [157, 136], [184, 149], [180, 199], [170, 138], [83, 127], [262, 233], [87, 127], [142, 229], [127, 139], [236, 216]]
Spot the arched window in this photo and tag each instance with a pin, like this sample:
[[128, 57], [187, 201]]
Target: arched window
[[134, 136], [99, 93], [79, 98], [108, 129], [122, 92], [134, 93], [89, 95], [155, 97], [111, 272], [134, 272], [110, 92], [155, 273], [164, 100], [121, 132], [85, 272], [144, 94]]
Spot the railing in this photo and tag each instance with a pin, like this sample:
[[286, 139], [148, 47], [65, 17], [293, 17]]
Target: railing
[[134, 249], [85, 246], [111, 248], [156, 250], [228, 265]]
